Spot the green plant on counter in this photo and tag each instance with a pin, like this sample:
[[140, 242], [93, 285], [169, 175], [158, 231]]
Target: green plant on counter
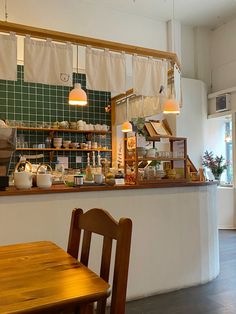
[[215, 164], [138, 124], [155, 163]]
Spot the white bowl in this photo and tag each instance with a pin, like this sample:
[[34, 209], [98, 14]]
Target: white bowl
[[66, 144], [57, 139], [74, 145]]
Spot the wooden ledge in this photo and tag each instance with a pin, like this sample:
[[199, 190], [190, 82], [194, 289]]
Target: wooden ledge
[[12, 191]]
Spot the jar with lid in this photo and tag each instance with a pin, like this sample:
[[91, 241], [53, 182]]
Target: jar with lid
[[79, 179]]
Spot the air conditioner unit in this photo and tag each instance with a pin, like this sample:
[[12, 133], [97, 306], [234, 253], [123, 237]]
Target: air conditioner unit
[[223, 102]]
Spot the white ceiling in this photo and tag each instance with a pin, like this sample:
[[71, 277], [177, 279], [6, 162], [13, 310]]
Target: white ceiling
[[212, 13]]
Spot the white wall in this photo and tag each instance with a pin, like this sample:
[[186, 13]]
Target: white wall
[[88, 19], [223, 56], [195, 42], [202, 55], [191, 121], [188, 51]]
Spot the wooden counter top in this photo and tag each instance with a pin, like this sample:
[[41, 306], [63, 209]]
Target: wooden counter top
[[61, 188]]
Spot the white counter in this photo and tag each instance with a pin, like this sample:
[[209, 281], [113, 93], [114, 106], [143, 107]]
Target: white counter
[[175, 237]]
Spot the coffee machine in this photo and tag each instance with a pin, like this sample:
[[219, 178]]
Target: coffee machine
[[7, 147]]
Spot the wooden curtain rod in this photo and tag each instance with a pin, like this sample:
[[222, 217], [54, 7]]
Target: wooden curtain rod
[[23, 30]]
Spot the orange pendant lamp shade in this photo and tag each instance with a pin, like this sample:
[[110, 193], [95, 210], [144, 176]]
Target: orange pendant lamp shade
[[126, 127], [171, 106], [77, 96]]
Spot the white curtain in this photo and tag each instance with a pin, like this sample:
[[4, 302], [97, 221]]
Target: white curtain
[[8, 57], [138, 106], [105, 70], [177, 85], [47, 62], [149, 75]]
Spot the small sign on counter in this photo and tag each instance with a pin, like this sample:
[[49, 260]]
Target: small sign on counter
[[119, 181]]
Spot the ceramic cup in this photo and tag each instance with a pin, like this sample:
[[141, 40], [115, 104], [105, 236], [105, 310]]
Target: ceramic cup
[[98, 178]]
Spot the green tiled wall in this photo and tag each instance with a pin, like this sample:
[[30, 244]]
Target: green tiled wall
[[39, 104]]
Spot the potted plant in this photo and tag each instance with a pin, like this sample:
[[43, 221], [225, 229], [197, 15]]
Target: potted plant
[[138, 124], [215, 164]]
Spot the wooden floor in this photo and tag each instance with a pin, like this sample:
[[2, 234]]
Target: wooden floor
[[216, 297]]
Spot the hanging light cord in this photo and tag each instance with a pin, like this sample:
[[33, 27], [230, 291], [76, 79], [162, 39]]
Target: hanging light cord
[[6, 12], [127, 101], [173, 21], [77, 57]]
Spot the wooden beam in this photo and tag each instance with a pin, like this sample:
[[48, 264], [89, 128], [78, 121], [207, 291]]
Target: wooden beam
[[23, 30]]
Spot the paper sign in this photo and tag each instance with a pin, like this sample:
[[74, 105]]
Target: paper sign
[[64, 161]]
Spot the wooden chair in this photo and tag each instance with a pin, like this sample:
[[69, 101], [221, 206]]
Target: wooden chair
[[101, 222]]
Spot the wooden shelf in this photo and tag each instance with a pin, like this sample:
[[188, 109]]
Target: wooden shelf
[[65, 149], [62, 130], [159, 137], [177, 152]]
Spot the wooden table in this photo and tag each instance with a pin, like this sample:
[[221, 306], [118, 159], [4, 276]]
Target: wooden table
[[40, 277]]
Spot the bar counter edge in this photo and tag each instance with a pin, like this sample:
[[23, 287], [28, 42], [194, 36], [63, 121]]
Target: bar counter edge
[[61, 188]]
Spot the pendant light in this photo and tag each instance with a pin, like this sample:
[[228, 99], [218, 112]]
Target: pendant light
[[171, 105], [126, 126], [77, 96]]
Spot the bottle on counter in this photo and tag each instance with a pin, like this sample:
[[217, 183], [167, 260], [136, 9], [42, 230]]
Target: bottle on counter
[[201, 175], [99, 166], [88, 171], [93, 163], [59, 171]]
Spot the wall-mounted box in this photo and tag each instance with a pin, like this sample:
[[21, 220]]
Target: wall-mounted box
[[223, 102]]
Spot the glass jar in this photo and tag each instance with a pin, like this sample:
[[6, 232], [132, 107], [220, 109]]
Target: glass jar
[[151, 172]]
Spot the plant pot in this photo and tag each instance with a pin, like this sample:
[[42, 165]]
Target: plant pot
[[217, 178]]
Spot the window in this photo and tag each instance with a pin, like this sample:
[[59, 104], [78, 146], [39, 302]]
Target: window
[[229, 152]]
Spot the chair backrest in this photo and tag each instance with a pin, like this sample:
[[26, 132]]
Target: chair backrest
[[101, 222]]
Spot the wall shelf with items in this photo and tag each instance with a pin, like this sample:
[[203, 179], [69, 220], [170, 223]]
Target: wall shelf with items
[[65, 149], [160, 159], [34, 142]]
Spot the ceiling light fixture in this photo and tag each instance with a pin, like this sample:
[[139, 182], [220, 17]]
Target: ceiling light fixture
[[77, 96]]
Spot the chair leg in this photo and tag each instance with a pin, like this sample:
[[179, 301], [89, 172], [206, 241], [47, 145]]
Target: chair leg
[[86, 309], [101, 307]]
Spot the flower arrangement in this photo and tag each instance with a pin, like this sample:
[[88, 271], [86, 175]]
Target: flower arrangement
[[214, 163]]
